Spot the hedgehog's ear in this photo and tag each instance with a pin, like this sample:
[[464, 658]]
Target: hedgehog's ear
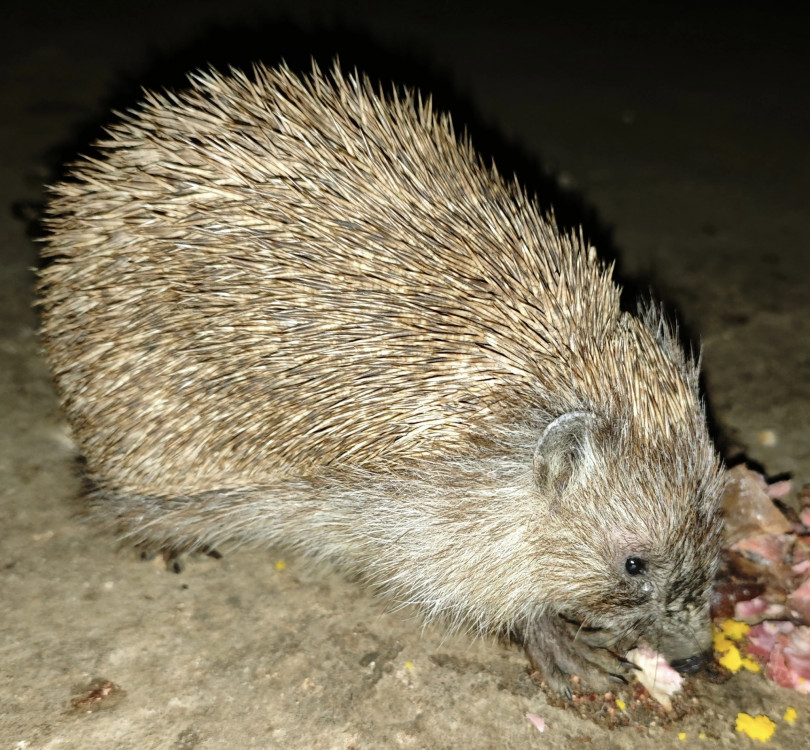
[[563, 451]]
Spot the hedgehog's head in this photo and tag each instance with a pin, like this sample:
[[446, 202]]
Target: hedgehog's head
[[641, 531]]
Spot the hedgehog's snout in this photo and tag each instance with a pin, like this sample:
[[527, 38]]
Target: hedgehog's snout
[[692, 664]]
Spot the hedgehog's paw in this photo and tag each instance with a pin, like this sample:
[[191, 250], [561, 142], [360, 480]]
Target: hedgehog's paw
[[558, 649]]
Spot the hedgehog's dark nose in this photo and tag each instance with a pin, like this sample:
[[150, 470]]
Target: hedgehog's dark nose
[[692, 664]]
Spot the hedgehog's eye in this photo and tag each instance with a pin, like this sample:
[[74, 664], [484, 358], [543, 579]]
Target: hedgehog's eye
[[635, 566]]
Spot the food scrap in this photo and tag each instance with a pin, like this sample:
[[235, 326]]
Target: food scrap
[[784, 649], [734, 661], [764, 587], [748, 506], [537, 721], [724, 643], [757, 727], [656, 675], [734, 630]]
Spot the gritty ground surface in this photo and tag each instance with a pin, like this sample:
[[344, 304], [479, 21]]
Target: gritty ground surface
[[682, 143]]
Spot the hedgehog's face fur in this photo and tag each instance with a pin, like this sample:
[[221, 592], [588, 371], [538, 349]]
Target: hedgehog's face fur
[[641, 534], [659, 597]]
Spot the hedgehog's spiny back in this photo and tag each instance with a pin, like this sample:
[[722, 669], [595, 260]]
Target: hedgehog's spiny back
[[261, 277]]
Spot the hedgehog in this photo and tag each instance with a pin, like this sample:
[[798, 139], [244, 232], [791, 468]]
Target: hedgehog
[[300, 311]]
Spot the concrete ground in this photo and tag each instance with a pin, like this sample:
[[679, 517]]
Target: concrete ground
[[679, 139]]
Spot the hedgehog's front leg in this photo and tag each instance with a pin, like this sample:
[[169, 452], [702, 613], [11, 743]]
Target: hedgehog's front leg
[[559, 648]]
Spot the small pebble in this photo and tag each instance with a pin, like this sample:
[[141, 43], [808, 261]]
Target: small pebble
[[767, 438]]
